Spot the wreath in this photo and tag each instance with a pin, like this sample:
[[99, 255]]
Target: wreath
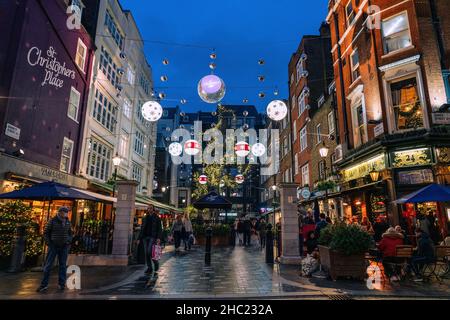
[[411, 112]]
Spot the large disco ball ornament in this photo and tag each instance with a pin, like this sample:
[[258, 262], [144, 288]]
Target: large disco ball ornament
[[152, 111], [175, 149], [258, 149], [211, 89], [277, 110], [192, 147]]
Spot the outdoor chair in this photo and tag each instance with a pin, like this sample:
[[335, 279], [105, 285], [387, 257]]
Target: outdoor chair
[[439, 267], [400, 267]]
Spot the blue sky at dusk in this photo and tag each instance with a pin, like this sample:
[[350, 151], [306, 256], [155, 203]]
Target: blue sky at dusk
[[241, 31]]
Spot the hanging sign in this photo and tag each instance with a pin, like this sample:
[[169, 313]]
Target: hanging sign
[[12, 131]]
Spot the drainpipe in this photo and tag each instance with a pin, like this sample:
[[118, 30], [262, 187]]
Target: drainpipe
[[341, 80]]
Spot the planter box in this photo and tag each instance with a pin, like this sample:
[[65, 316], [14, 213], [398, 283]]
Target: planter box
[[339, 265], [219, 241]]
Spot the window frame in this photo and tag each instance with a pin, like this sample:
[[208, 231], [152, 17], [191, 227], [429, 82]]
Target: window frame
[[319, 133], [104, 161], [356, 127], [303, 137], [74, 90], [352, 14], [383, 37], [305, 173], [331, 122], [299, 68], [355, 68], [82, 44], [63, 156]]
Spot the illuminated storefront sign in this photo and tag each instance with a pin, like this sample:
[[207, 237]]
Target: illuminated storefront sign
[[443, 155], [364, 168], [415, 177], [409, 158]]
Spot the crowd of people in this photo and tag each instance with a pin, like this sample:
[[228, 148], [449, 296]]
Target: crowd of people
[[247, 232]]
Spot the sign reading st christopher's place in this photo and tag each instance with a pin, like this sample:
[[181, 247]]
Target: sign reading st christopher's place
[[53, 67]]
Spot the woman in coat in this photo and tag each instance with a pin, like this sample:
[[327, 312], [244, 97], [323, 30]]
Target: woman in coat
[[388, 247]]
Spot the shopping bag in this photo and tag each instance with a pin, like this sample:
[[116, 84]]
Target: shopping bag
[[309, 265], [192, 240], [156, 252]]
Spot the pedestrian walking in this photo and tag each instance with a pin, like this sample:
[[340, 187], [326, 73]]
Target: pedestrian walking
[[150, 234], [188, 233], [177, 232], [247, 232], [58, 236], [241, 232], [262, 233]]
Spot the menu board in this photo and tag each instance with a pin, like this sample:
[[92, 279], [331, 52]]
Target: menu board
[[415, 177]]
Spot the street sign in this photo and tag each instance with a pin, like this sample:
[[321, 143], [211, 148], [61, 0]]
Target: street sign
[[305, 193]]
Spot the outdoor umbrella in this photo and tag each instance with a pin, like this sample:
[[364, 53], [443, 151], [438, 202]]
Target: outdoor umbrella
[[431, 193], [47, 191], [213, 201]]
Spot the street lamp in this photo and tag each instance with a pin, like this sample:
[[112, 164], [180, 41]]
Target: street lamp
[[324, 150], [163, 189], [116, 162], [374, 175]]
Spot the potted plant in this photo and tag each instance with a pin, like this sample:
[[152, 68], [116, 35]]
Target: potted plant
[[220, 234], [342, 249]]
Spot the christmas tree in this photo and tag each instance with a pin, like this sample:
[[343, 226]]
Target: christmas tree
[[13, 214]]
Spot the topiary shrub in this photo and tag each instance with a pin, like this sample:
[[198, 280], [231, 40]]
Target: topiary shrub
[[346, 239]]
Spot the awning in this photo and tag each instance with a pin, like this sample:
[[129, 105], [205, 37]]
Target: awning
[[139, 205]]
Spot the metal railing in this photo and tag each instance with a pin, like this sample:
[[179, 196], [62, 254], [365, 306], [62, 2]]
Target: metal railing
[[93, 238]]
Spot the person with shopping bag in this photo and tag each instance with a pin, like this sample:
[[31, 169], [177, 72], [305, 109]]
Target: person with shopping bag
[[151, 232]]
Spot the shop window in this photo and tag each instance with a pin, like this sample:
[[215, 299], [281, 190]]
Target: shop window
[[355, 65], [80, 58], [66, 155], [406, 104], [74, 104], [396, 33], [359, 124]]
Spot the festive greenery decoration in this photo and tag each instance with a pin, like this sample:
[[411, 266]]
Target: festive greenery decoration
[[13, 214], [217, 173], [326, 185], [217, 229]]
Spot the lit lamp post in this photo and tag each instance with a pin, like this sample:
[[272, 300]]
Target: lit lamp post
[[116, 162], [324, 154], [374, 174]]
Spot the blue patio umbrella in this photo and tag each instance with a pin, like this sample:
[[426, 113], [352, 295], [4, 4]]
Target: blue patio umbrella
[[47, 191], [431, 193], [213, 201]]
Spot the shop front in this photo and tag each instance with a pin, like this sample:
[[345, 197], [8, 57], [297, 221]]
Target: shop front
[[364, 190]]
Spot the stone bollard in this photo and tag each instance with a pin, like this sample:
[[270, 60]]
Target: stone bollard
[[18, 256], [269, 244], [208, 247]]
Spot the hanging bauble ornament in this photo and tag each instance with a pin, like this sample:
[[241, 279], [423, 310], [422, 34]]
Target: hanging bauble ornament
[[167, 139], [155, 184], [275, 93], [212, 66], [258, 149], [277, 110], [162, 95], [261, 62], [214, 113], [152, 111], [261, 95], [164, 78], [213, 56], [165, 62], [211, 89], [261, 78], [239, 179], [168, 129], [203, 179], [192, 147], [213, 125], [175, 149], [242, 149], [183, 101], [245, 113], [245, 126], [182, 114]]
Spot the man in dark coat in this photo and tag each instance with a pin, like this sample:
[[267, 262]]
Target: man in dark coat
[[425, 253], [151, 233], [380, 227], [247, 231], [58, 236]]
